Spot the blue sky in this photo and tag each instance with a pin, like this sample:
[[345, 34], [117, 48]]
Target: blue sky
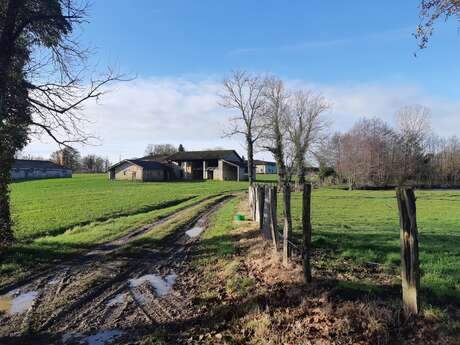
[[352, 51], [322, 41]]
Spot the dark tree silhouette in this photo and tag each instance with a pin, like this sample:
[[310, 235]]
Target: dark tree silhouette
[[42, 82]]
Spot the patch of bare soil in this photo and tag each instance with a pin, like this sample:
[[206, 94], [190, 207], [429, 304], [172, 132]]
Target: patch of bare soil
[[108, 296]]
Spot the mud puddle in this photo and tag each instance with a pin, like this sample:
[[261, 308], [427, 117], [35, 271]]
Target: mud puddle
[[195, 231], [14, 302], [161, 285], [201, 224], [100, 338]]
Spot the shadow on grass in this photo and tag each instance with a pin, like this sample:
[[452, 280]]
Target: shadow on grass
[[24, 259], [366, 249], [145, 209]]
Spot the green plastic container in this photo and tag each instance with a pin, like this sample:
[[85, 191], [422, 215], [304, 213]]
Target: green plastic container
[[240, 217]]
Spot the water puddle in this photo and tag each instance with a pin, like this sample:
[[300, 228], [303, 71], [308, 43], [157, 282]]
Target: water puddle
[[118, 299], [161, 286], [15, 303], [100, 338], [54, 281], [195, 231]]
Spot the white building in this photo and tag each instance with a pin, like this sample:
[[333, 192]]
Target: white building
[[264, 167]]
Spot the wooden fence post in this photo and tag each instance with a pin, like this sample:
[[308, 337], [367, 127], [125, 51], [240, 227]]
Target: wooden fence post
[[260, 205], [287, 230], [250, 198], [306, 231], [254, 202], [273, 217], [266, 223], [410, 270]]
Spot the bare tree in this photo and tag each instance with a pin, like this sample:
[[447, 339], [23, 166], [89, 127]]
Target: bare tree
[[274, 122], [67, 157], [374, 154], [307, 127], [413, 130], [430, 12], [243, 92], [43, 84], [160, 149], [93, 164]]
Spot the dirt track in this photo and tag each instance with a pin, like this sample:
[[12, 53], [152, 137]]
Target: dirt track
[[107, 294]]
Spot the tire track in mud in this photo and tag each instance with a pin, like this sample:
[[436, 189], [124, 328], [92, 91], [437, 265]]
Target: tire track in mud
[[101, 249], [97, 293]]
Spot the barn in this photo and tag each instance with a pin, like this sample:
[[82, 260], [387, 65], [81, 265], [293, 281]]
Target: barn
[[144, 170], [220, 165], [24, 169]]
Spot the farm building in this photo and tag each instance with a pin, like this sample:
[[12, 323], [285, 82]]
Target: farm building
[[144, 170], [220, 165], [264, 167], [190, 165], [37, 169]]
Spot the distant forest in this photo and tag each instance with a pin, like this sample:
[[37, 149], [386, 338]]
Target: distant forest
[[375, 154]]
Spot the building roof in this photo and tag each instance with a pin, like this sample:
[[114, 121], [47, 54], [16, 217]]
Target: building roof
[[35, 164], [148, 164], [162, 158], [260, 162], [203, 155], [143, 163]]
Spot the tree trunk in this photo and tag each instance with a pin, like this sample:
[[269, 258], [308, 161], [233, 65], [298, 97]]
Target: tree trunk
[[306, 231], [287, 230], [6, 232], [410, 271], [250, 146], [7, 146], [300, 181]]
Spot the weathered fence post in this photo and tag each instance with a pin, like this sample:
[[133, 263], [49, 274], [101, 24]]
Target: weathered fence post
[[410, 270], [266, 223], [306, 231], [287, 230], [254, 202], [260, 190], [250, 199], [273, 217]]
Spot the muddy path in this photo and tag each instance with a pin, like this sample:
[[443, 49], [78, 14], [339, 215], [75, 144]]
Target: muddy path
[[109, 295], [101, 249]]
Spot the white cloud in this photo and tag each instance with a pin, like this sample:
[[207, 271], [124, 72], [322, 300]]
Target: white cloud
[[178, 111]]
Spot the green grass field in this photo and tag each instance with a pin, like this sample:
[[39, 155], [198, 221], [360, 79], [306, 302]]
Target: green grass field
[[50, 207], [364, 227], [58, 218]]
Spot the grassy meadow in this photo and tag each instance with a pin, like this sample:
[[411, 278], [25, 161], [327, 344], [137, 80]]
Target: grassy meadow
[[50, 207], [363, 226], [58, 218]]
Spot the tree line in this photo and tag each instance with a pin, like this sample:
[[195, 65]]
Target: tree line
[[72, 159], [289, 123], [375, 154]]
